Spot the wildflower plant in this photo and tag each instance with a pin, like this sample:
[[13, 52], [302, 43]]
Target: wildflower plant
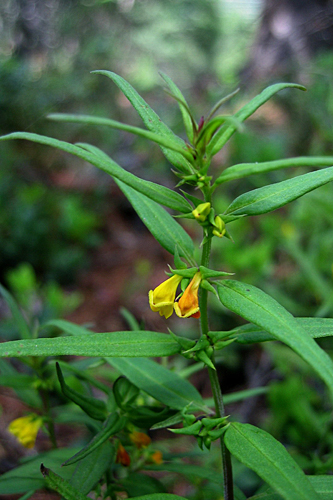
[[121, 419]]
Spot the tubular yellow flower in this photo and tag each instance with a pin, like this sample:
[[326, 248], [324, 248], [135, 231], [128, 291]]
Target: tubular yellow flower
[[162, 298], [25, 429], [188, 304]]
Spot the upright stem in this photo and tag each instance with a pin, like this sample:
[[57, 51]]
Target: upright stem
[[214, 381]]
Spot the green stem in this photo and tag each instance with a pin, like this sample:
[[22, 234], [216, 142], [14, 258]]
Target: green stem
[[226, 459], [214, 381]]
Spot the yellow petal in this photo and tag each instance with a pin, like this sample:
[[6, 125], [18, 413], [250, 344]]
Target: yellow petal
[[162, 298]]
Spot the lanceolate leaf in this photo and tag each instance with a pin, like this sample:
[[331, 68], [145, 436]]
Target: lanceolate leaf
[[93, 407], [224, 134], [63, 487], [132, 344], [164, 385], [92, 120], [259, 451], [17, 315], [151, 120], [259, 308], [89, 470], [323, 485], [112, 425], [158, 193], [315, 327], [159, 222], [268, 198], [245, 169], [182, 105], [160, 496]]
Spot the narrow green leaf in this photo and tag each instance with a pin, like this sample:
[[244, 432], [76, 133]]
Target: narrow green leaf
[[17, 381], [131, 344], [27, 495], [83, 374], [315, 327], [267, 495], [129, 318], [183, 106], [164, 385], [160, 496], [92, 120], [234, 397], [268, 198], [67, 326], [60, 485], [16, 312], [224, 134], [196, 471], [25, 391], [141, 484], [259, 451], [160, 194], [259, 308], [323, 486], [112, 425], [160, 223], [17, 484], [90, 470], [245, 169], [93, 407], [151, 120], [30, 467], [189, 470]]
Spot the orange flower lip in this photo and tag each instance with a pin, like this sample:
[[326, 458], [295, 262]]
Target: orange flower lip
[[188, 304], [122, 457]]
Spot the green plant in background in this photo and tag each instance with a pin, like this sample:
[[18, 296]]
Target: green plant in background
[[149, 395]]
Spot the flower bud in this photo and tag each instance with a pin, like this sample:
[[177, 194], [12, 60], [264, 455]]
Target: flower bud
[[201, 212], [219, 227]]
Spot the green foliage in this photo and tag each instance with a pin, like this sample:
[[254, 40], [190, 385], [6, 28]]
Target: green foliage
[[146, 394]]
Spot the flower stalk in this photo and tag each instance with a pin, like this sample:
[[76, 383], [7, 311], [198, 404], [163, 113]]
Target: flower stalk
[[214, 381]]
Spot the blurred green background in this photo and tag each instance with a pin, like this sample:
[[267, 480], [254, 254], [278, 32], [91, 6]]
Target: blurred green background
[[71, 245], [66, 220]]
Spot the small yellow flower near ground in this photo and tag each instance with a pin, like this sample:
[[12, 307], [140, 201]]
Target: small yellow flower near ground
[[140, 439], [157, 457], [162, 298], [25, 429], [188, 304]]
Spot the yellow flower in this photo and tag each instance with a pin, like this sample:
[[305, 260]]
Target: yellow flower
[[162, 298], [140, 439], [25, 429], [188, 304]]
